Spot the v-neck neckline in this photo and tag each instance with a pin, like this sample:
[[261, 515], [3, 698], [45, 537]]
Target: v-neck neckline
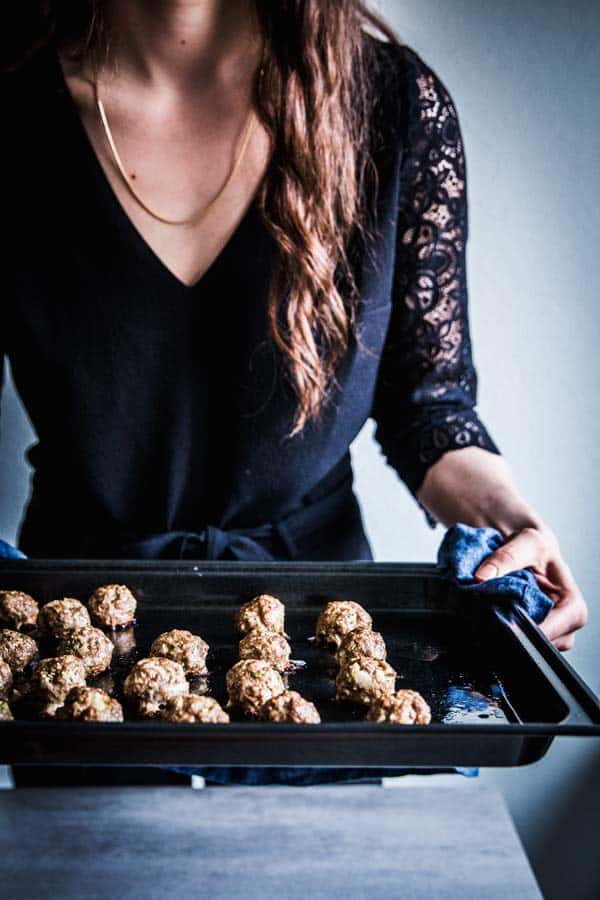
[[143, 248]]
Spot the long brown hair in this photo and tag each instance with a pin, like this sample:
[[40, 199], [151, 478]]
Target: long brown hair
[[315, 100]]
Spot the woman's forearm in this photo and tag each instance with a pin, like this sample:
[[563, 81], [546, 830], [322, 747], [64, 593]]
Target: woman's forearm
[[476, 487]]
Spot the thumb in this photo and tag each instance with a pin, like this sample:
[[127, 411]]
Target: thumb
[[517, 553]]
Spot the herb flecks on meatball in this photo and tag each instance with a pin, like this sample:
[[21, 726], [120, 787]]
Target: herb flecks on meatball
[[194, 708], [91, 646], [18, 610], [268, 645], [55, 677], [5, 713], [263, 611], [365, 680], [90, 704], [404, 708], [6, 679], [251, 682], [59, 617], [290, 706], [183, 647], [359, 642], [16, 649], [338, 618], [153, 682], [113, 606]]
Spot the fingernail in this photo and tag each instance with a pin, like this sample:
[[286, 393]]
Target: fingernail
[[489, 570]]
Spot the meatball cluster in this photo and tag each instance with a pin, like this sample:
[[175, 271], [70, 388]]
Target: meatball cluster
[[153, 682], [338, 618], [194, 708], [113, 606], [254, 684], [183, 647], [18, 610], [364, 674]]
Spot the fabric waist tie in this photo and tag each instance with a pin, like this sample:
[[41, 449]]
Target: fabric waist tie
[[321, 505]]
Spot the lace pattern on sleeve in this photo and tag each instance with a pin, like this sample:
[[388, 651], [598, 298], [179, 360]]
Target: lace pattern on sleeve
[[428, 383]]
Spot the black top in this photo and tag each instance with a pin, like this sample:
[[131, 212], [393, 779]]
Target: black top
[[160, 407]]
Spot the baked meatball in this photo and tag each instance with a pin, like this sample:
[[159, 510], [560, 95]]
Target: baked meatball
[[365, 680], [194, 708], [404, 707], [90, 704], [17, 650], [5, 713], [91, 646], [59, 617], [54, 678], [251, 682], [267, 645], [263, 611], [6, 679], [338, 618], [361, 642], [113, 606], [290, 707], [184, 647], [18, 610], [153, 682]]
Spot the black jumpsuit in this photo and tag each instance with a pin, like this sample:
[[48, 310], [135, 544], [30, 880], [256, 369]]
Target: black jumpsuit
[[160, 409]]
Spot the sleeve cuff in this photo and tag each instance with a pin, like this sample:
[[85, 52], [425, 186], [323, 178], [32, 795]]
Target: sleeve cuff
[[414, 451]]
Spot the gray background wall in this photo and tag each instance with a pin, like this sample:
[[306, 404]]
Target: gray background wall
[[524, 77]]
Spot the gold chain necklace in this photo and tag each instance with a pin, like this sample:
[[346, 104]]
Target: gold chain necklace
[[247, 131]]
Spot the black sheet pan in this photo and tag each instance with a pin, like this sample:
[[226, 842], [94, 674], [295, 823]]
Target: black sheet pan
[[498, 690]]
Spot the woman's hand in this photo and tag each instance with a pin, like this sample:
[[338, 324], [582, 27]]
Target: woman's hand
[[474, 486], [537, 548]]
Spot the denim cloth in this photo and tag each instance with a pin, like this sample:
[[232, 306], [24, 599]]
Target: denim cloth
[[7, 551], [304, 777], [462, 551]]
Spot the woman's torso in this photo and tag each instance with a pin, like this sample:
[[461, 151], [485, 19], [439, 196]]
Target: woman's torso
[[157, 406]]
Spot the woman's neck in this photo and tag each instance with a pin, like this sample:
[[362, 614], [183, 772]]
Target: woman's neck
[[179, 43]]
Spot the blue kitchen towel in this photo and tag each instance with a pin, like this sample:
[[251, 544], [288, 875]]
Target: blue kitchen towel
[[7, 551], [462, 551]]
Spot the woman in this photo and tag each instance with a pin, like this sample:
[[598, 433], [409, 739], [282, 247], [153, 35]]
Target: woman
[[238, 232]]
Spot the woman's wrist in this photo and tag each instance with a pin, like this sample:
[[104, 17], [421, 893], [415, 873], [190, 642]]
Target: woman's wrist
[[476, 487]]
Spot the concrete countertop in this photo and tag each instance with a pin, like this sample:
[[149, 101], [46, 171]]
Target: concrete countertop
[[418, 840]]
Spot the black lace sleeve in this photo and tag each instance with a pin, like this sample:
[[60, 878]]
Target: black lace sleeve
[[425, 399]]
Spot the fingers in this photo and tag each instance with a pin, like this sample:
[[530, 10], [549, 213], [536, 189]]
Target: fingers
[[569, 615], [564, 643], [526, 549], [538, 549]]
